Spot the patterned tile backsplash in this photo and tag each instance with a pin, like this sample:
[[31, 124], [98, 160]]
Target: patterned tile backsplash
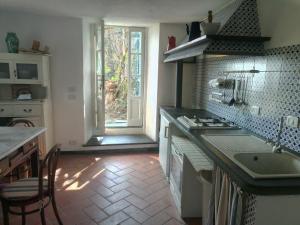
[[276, 90]]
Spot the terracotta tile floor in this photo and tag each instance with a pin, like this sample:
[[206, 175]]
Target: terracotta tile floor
[[111, 189]]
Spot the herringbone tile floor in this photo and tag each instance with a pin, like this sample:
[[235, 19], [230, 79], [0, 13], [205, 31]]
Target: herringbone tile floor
[[111, 189]]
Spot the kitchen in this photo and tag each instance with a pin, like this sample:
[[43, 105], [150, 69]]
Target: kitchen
[[239, 141], [222, 105]]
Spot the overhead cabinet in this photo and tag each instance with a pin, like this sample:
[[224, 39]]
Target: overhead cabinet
[[23, 69]]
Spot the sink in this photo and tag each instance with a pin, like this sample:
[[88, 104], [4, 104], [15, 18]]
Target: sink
[[269, 165], [255, 157]]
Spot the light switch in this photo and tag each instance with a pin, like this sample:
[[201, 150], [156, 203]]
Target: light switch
[[292, 121], [255, 110]]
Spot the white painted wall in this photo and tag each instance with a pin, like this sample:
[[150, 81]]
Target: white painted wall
[[161, 78], [280, 20], [167, 71], [64, 37], [151, 111]]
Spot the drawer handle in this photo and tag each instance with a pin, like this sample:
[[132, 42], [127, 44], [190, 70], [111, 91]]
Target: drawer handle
[[1, 110], [166, 132], [28, 110]]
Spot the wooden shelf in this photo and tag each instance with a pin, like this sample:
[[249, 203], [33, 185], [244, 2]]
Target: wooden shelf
[[207, 38], [197, 41]]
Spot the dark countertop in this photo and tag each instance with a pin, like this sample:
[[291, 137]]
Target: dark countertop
[[279, 186]]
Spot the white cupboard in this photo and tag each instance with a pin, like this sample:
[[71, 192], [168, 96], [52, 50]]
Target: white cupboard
[[164, 144], [23, 69], [28, 70]]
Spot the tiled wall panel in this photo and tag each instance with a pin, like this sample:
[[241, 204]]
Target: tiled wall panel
[[276, 91]]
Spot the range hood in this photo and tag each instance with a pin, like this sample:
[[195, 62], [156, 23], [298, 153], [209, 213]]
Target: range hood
[[239, 35]]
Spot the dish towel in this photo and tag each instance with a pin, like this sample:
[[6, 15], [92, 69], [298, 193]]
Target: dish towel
[[211, 207], [222, 208], [227, 201]]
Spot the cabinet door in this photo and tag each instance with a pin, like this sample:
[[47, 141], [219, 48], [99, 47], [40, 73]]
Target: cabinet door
[[27, 72], [6, 71], [164, 145]]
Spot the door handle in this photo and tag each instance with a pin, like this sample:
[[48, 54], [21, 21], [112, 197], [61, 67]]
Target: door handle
[[1, 110], [166, 132]]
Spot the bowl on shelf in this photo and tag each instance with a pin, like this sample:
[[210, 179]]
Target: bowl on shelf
[[210, 28]]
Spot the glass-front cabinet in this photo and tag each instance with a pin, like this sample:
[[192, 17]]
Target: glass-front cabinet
[[6, 71], [27, 71], [22, 69]]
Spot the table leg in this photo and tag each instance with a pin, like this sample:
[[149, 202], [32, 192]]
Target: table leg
[[35, 163]]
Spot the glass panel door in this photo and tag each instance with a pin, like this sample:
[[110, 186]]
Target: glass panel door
[[116, 76], [99, 81], [135, 89], [119, 78], [27, 71], [5, 70]]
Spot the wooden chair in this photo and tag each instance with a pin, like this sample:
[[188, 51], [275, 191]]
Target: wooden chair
[[22, 193], [26, 123], [13, 123]]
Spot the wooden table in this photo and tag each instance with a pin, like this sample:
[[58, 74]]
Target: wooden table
[[18, 145]]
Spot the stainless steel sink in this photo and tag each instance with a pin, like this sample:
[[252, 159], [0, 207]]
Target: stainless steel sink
[[269, 165]]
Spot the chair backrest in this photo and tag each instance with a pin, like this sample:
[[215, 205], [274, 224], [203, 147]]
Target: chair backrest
[[24, 122], [50, 163]]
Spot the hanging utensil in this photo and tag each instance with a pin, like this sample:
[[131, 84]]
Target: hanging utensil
[[245, 91], [232, 100]]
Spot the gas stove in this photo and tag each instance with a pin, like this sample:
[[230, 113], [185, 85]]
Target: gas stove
[[205, 123]]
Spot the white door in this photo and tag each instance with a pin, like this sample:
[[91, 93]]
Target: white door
[[99, 78], [136, 77]]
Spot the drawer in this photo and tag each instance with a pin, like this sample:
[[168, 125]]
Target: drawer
[[16, 159], [4, 166], [6, 110], [27, 110], [29, 146]]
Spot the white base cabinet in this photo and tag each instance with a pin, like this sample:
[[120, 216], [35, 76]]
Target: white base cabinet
[[164, 148], [277, 210], [38, 112]]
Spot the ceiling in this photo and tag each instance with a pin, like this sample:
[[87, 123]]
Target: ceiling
[[146, 11]]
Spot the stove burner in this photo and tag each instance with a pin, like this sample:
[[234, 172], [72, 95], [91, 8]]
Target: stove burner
[[216, 124], [205, 123], [207, 120]]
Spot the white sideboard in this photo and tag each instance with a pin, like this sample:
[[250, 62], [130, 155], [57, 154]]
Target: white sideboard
[[28, 70]]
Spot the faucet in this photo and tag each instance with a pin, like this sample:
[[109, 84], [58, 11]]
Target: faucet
[[277, 148]]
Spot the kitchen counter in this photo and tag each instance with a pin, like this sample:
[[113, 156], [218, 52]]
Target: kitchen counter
[[12, 138], [279, 186]]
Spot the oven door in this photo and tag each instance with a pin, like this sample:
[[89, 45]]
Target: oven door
[[176, 165]]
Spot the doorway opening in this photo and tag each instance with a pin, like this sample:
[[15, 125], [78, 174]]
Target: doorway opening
[[116, 48], [119, 77]]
